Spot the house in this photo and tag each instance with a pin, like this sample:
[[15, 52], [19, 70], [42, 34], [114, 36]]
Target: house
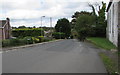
[[48, 33], [5, 29], [113, 21]]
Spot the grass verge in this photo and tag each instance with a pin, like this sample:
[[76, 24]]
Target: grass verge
[[102, 43], [109, 64]]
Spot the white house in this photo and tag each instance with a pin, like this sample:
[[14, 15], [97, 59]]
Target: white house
[[113, 21]]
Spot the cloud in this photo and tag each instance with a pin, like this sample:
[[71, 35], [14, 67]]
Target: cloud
[[29, 12]]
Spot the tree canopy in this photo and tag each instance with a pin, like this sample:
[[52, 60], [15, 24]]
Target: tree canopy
[[63, 25], [90, 23], [84, 25]]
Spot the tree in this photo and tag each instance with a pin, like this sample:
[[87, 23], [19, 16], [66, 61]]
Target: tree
[[100, 21], [63, 25], [76, 15], [22, 26], [34, 27], [84, 26]]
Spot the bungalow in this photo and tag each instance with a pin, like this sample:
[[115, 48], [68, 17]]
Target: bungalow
[[113, 21], [5, 29]]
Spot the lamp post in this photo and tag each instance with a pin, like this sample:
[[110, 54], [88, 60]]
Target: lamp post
[[41, 24], [51, 25]]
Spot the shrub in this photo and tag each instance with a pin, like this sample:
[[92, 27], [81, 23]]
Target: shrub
[[5, 43], [23, 41], [38, 39], [41, 38], [47, 39], [10, 42], [35, 40], [27, 32], [28, 40], [58, 35], [84, 26]]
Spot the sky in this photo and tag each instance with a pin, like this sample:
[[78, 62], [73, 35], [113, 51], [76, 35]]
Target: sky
[[29, 12]]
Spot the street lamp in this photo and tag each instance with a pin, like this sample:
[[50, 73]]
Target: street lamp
[[41, 23], [51, 25]]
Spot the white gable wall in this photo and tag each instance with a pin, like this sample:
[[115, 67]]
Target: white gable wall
[[112, 32]]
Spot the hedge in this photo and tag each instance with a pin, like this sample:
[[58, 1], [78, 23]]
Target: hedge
[[17, 42], [38, 39], [24, 41], [27, 32], [58, 35]]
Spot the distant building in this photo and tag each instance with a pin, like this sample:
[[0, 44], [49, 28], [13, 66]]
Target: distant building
[[5, 29], [113, 21]]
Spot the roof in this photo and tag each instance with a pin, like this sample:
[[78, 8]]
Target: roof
[[2, 23]]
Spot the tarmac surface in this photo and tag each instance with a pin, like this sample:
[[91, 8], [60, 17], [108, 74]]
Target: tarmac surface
[[65, 56]]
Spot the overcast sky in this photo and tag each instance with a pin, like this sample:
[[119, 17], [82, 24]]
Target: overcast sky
[[29, 12]]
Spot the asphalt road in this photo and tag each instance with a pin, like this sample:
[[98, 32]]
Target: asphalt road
[[66, 56]]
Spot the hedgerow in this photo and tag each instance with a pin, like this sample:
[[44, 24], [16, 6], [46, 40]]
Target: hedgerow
[[27, 32]]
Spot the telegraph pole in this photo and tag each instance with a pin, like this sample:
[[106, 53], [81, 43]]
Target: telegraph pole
[[51, 25], [41, 24]]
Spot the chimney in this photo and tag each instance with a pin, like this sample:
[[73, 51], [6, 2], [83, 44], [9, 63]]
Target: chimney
[[7, 19]]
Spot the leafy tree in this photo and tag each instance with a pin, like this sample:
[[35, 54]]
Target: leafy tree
[[101, 22], [14, 27], [22, 26], [76, 15], [63, 26], [84, 25], [58, 35], [34, 27]]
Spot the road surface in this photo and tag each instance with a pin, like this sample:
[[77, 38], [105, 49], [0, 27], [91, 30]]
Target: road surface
[[66, 56]]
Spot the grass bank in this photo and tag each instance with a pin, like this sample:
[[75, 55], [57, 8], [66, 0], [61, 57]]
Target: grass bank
[[102, 43], [110, 65], [108, 61]]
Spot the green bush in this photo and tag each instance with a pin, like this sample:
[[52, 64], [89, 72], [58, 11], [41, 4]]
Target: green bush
[[28, 40], [17, 42], [35, 40], [27, 32], [24, 41], [84, 26], [38, 39], [58, 35], [41, 38], [5, 43], [47, 39], [10, 42]]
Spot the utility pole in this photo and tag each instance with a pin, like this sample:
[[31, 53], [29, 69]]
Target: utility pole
[[51, 25], [41, 24]]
